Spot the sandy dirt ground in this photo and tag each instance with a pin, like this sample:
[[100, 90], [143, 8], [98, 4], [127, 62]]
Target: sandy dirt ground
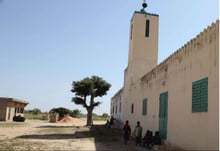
[[42, 135]]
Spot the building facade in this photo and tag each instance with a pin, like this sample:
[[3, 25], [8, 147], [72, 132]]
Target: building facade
[[116, 105], [10, 107], [180, 96]]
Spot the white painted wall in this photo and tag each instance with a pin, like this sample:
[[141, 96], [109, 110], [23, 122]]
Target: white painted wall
[[198, 59]]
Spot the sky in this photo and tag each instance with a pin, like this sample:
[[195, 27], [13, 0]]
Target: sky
[[45, 45]]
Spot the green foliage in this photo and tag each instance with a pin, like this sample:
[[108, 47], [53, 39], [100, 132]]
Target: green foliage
[[61, 111], [93, 87], [89, 87], [105, 115], [35, 111], [82, 88], [76, 113], [79, 101]]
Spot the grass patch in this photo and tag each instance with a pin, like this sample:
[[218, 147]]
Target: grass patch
[[62, 130], [18, 144], [34, 116], [12, 124], [57, 130], [99, 118]]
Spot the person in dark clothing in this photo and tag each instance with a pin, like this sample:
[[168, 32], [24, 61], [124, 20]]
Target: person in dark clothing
[[145, 138], [111, 121], [148, 139], [107, 123], [157, 139], [126, 131]]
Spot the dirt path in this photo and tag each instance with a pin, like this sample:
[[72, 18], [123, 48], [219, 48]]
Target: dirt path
[[42, 135]]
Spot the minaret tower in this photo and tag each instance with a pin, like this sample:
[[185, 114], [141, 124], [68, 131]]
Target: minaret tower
[[143, 45]]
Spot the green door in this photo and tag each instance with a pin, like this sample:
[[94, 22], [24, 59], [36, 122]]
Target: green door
[[163, 115]]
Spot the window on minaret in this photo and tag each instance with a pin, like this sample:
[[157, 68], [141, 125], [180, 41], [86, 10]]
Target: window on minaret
[[132, 108], [131, 31], [144, 107], [147, 30]]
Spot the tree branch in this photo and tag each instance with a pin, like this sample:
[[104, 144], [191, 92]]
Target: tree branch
[[96, 104]]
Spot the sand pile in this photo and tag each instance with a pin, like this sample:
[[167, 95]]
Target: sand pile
[[71, 120]]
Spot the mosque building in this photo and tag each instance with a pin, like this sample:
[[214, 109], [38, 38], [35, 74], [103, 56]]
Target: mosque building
[[178, 97]]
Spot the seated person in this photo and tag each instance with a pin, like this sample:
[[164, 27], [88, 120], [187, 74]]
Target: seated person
[[148, 139], [157, 139], [111, 121], [107, 123]]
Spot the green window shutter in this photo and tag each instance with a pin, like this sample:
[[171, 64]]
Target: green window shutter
[[144, 107], [200, 95]]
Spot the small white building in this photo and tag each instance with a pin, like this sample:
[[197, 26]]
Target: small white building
[[116, 105], [180, 96]]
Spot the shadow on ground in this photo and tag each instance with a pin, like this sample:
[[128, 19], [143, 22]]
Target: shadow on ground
[[56, 136], [104, 138], [51, 126], [99, 132]]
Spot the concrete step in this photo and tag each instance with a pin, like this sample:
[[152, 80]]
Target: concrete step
[[165, 147]]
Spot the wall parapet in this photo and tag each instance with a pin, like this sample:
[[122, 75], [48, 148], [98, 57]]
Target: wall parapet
[[117, 93], [206, 36]]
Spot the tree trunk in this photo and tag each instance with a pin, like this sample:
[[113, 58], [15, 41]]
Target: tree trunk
[[89, 117]]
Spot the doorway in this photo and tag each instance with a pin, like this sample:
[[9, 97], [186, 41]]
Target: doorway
[[163, 114]]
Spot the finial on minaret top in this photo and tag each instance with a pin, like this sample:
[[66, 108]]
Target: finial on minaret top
[[144, 5]]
